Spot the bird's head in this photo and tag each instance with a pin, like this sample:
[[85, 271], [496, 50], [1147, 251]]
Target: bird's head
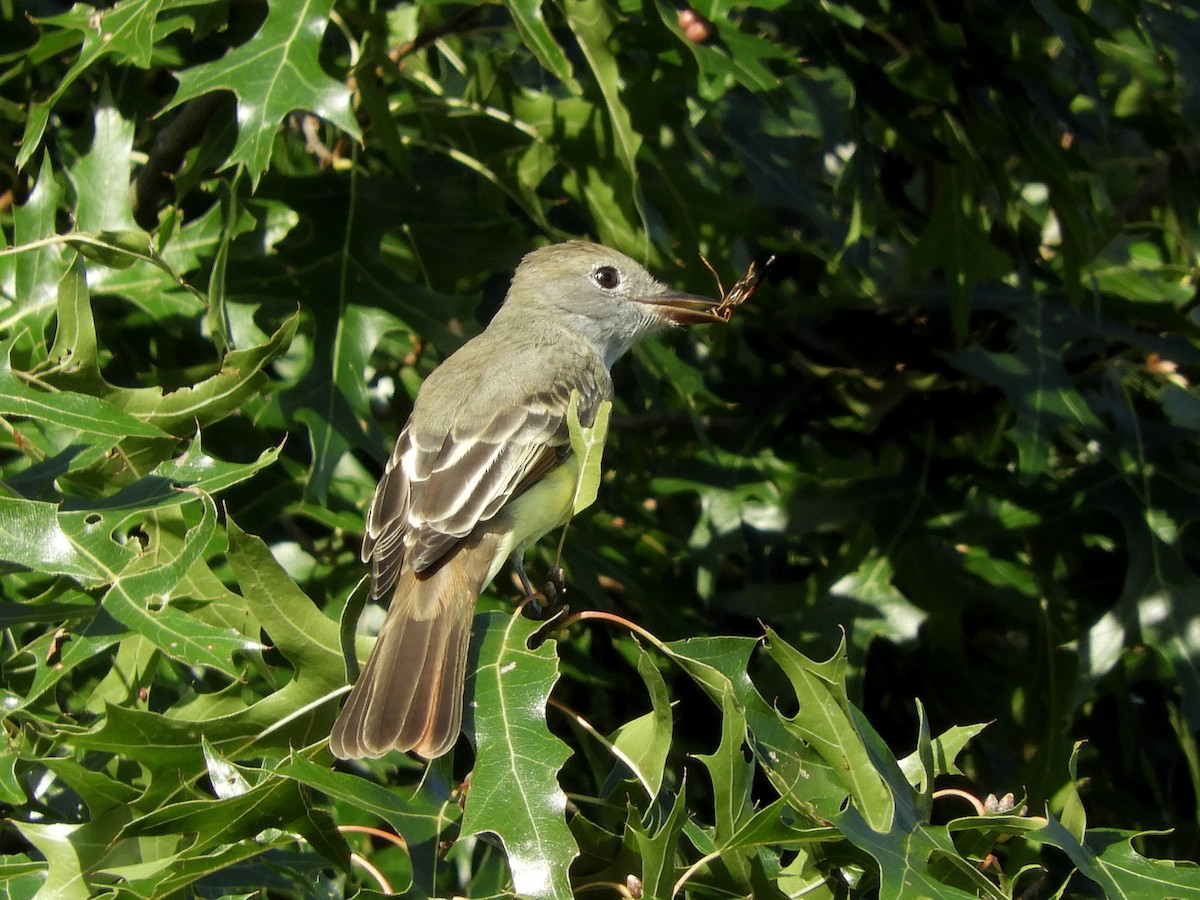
[[603, 294]]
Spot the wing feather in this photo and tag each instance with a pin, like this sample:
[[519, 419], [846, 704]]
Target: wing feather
[[444, 478]]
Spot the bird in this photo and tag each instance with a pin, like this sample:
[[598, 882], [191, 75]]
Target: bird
[[481, 470]]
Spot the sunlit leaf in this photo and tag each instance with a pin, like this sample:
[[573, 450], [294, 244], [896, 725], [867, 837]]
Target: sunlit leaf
[[645, 742], [101, 177], [38, 271], [825, 720], [587, 444], [141, 593], [657, 847], [531, 23], [126, 31], [81, 412], [517, 757], [274, 74]]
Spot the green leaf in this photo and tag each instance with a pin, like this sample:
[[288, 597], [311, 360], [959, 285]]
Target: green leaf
[[166, 872], [732, 778], [657, 848], [812, 786], [79, 545], [273, 74], [904, 860], [224, 820], [592, 24], [87, 540], [125, 30], [240, 378], [74, 350], [90, 546], [141, 593], [587, 444], [88, 415], [1036, 383], [945, 749], [643, 743], [73, 851], [825, 721], [10, 784], [297, 628], [1133, 874], [38, 271], [531, 24], [956, 244], [419, 816], [226, 778], [297, 713], [20, 879], [99, 635], [197, 470], [1106, 856], [332, 399], [101, 177], [517, 758], [114, 249], [871, 585], [732, 57]]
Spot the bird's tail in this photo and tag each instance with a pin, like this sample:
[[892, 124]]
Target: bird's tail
[[410, 693]]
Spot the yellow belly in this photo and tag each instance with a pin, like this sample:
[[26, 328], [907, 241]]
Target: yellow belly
[[541, 508]]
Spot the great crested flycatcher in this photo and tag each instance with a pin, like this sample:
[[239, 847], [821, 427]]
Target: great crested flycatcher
[[482, 469]]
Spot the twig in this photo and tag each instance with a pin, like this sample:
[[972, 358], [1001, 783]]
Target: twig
[[153, 182]]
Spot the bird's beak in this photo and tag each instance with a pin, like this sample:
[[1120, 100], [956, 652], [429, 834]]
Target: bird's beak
[[684, 309]]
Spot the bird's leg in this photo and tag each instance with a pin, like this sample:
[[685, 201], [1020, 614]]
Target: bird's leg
[[532, 608], [518, 564]]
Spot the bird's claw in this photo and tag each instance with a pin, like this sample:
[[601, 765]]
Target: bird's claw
[[544, 603]]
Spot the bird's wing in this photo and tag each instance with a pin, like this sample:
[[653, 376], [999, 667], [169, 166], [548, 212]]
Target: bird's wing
[[438, 485]]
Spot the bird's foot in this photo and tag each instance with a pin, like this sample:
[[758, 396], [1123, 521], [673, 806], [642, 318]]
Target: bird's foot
[[548, 601], [555, 588]]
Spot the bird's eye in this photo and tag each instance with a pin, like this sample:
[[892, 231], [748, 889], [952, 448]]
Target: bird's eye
[[607, 277]]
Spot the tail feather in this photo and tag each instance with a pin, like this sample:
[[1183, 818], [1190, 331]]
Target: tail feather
[[410, 693]]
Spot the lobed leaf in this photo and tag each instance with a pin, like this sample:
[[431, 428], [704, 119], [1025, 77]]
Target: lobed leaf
[[516, 758], [273, 74]]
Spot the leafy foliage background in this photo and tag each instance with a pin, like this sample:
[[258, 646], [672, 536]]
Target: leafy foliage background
[[946, 457]]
